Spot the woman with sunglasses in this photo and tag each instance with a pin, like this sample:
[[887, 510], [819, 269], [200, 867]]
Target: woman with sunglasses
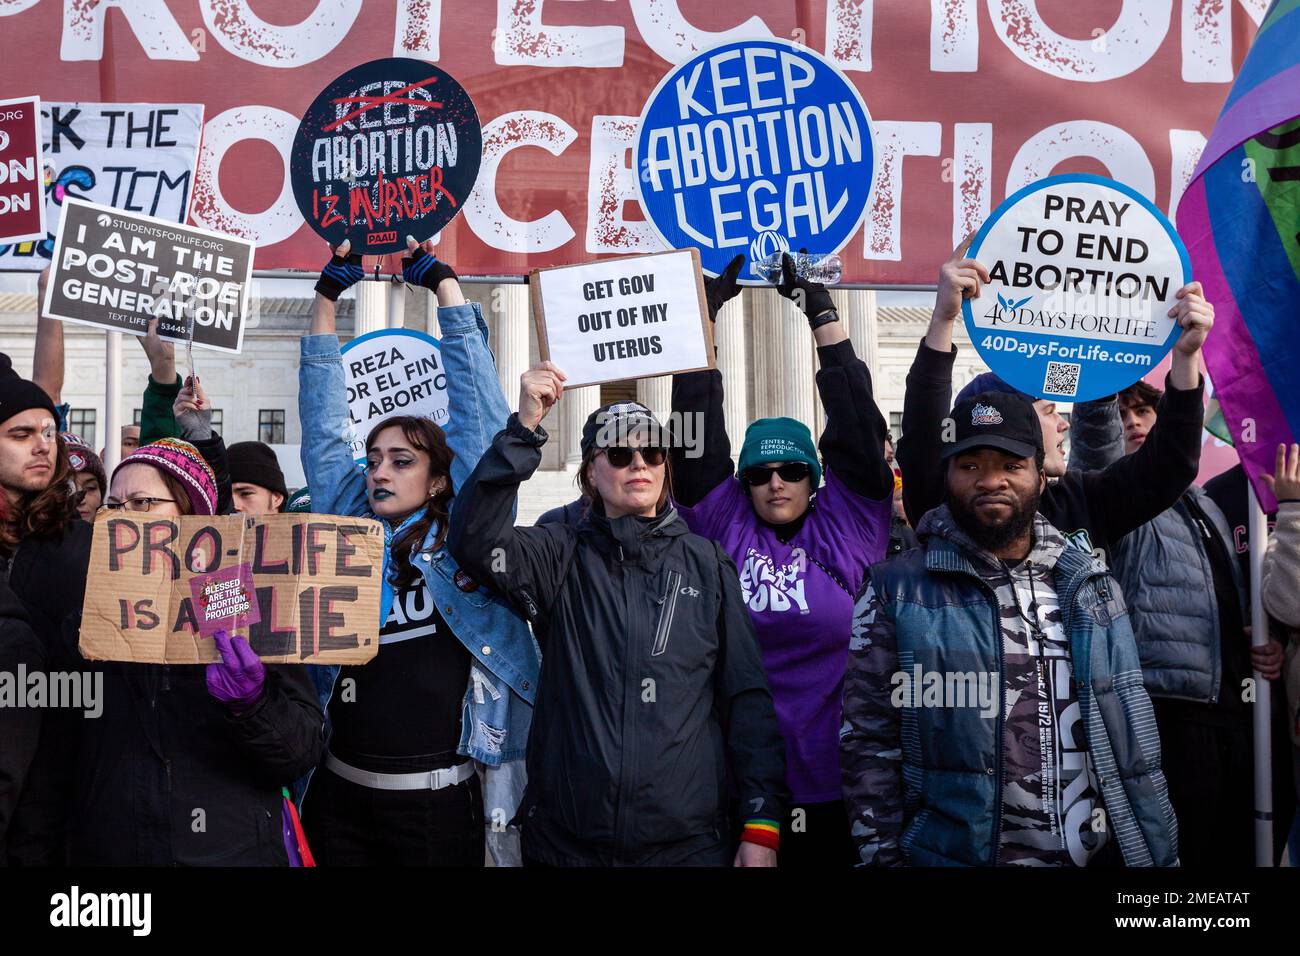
[[651, 681], [452, 686], [802, 547]]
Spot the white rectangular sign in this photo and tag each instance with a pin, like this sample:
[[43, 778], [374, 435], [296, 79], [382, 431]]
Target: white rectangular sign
[[631, 317]]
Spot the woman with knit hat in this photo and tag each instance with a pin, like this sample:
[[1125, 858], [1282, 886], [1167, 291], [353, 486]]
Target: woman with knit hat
[[452, 686], [802, 548], [185, 764]]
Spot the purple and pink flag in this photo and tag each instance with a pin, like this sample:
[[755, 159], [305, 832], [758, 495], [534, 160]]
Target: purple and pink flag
[[1240, 220]]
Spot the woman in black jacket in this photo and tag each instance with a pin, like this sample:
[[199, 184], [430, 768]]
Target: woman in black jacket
[[185, 764], [651, 683]]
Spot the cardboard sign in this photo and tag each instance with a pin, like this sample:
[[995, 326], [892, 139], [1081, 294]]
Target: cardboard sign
[[300, 588], [389, 149], [755, 147], [137, 157], [22, 171], [392, 372], [117, 270], [633, 317], [1084, 271]]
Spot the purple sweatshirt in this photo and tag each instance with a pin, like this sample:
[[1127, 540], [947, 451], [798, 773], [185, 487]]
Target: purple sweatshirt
[[801, 593]]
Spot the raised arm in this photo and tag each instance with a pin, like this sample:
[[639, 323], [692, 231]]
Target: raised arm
[[1096, 434], [697, 397], [1140, 486], [157, 416], [1280, 581], [337, 482], [526, 564], [47, 360], [476, 404], [928, 395]]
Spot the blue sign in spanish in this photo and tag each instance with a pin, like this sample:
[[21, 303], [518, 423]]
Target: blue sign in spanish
[[1084, 273], [753, 146]]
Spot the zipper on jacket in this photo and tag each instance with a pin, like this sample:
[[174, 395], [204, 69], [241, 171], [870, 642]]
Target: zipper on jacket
[[667, 606]]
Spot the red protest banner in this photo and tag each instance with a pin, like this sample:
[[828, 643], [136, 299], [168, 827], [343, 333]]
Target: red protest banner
[[22, 210], [970, 101]]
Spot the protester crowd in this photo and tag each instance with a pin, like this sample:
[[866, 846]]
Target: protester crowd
[[1020, 660]]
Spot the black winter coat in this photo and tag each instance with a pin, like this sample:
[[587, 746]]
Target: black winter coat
[[651, 682], [21, 653]]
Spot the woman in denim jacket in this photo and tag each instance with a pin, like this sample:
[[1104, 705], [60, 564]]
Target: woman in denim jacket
[[454, 681]]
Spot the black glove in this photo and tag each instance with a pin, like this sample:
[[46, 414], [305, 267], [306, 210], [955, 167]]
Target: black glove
[[339, 275], [812, 297], [722, 288], [425, 269]]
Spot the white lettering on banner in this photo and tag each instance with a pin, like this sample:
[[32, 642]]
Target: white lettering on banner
[[243, 33], [848, 33], [971, 167], [1185, 148], [610, 184], [150, 21], [483, 211], [521, 39], [419, 24], [1130, 42], [884, 219], [278, 221], [665, 30], [954, 36], [1117, 150], [1206, 32]]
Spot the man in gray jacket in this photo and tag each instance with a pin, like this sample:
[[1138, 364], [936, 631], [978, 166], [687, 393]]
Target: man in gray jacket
[[1188, 604]]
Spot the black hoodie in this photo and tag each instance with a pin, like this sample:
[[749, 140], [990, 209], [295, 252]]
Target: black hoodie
[[651, 682], [21, 652]]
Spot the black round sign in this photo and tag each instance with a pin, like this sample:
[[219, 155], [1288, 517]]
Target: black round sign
[[389, 149]]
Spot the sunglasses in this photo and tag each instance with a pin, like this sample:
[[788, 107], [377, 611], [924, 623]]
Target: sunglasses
[[621, 457], [791, 471]]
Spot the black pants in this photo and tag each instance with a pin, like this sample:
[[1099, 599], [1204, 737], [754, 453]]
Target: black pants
[[351, 825], [813, 836], [1210, 772]]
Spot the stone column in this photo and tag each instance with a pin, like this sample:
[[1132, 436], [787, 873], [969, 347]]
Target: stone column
[[372, 305], [729, 336], [509, 324], [575, 407], [656, 394], [783, 367]]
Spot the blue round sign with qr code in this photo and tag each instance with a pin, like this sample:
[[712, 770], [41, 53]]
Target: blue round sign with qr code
[[1084, 272], [753, 142]]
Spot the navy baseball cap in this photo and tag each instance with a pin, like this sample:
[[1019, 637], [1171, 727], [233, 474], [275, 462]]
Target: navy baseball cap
[[1002, 420]]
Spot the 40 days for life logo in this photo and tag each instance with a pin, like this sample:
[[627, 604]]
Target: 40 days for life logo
[[755, 137], [1084, 272]]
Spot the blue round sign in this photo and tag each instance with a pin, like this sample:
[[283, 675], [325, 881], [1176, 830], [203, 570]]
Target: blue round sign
[[1084, 273], [392, 372], [755, 147]]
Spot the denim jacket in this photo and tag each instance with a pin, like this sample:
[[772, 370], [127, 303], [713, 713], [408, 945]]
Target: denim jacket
[[499, 698]]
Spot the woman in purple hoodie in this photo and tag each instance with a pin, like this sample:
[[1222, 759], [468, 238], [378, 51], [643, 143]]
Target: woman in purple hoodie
[[802, 548]]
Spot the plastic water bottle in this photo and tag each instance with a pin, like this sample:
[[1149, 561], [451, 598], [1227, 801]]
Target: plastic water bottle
[[807, 265]]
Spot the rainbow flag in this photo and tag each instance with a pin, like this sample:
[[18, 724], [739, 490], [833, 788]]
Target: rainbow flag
[[1240, 219]]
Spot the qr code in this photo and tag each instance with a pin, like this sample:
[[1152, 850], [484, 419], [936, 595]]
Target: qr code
[[1062, 379]]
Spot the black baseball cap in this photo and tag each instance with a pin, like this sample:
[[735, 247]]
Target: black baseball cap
[[1000, 420], [614, 423]]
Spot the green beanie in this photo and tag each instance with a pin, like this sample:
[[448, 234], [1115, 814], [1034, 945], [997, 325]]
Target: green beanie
[[780, 439]]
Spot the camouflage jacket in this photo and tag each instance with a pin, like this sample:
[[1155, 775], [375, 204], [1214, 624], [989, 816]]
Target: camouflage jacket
[[926, 780]]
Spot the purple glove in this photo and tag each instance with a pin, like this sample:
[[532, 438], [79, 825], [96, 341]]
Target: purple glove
[[236, 680]]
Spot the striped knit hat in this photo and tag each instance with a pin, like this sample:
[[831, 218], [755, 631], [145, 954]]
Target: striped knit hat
[[183, 462], [83, 458]]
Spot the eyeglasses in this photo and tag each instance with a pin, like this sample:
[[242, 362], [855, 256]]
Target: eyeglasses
[[621, 457], [140, 503], [790, 471]]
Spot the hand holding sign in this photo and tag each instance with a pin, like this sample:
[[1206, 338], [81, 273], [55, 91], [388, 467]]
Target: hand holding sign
[[811, 297], [959, 279], [539, 389], [192, 411], [341, 273], [423, 268], [1195, 315], [238, 678], [722, 288]]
